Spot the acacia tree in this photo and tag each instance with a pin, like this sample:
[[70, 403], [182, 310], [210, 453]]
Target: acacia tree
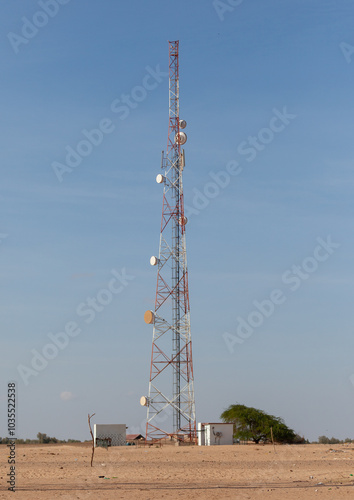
[[255, 425]]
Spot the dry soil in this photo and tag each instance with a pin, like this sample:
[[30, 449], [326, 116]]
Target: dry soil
[[216, 472]]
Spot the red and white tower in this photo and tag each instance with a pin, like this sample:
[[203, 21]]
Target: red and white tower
[[170, 401]]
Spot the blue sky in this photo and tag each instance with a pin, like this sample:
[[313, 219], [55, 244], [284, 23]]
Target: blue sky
[[61, 240]]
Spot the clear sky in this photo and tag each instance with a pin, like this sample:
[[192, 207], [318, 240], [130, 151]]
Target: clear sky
[[267, 89]]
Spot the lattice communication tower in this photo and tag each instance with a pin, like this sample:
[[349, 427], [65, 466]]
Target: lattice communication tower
[[170, 401]]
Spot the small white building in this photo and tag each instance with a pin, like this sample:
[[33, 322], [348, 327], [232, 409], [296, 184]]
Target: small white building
[[210, 434], [109, 434]]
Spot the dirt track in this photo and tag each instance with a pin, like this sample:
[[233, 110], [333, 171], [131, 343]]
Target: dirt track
[[225, 472]]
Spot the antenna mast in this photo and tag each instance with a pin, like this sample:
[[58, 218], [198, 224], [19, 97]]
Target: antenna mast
[[171, 406]]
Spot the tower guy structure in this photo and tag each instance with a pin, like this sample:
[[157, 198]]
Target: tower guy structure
[[170, 401]]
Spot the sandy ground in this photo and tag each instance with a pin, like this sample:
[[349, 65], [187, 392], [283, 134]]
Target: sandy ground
[[216, 472]]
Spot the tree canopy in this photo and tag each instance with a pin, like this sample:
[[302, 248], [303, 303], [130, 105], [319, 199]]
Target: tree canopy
[[43, 438], [255, 425]]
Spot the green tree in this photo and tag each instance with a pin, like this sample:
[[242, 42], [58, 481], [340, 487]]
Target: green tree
[[255, 425], [44, 439], [327, 440]]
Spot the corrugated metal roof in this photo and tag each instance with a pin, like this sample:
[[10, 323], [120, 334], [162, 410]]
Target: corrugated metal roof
[[131, 437]]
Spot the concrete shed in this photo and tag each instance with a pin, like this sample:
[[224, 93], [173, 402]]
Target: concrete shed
[[109, 434], [215, 433]]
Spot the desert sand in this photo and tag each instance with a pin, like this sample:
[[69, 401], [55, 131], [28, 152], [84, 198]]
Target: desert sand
[[170, 472]]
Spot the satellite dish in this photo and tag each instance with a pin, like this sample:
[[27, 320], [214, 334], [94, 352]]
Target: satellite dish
[[160, 178], [181, 138], [154, 260], [182, 124], [149, 317], [182, 221], [143, 401]]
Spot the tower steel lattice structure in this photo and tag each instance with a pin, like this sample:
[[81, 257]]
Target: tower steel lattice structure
[[170, 401]]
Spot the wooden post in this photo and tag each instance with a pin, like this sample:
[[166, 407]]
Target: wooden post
[[93, 441], [271, 433]]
